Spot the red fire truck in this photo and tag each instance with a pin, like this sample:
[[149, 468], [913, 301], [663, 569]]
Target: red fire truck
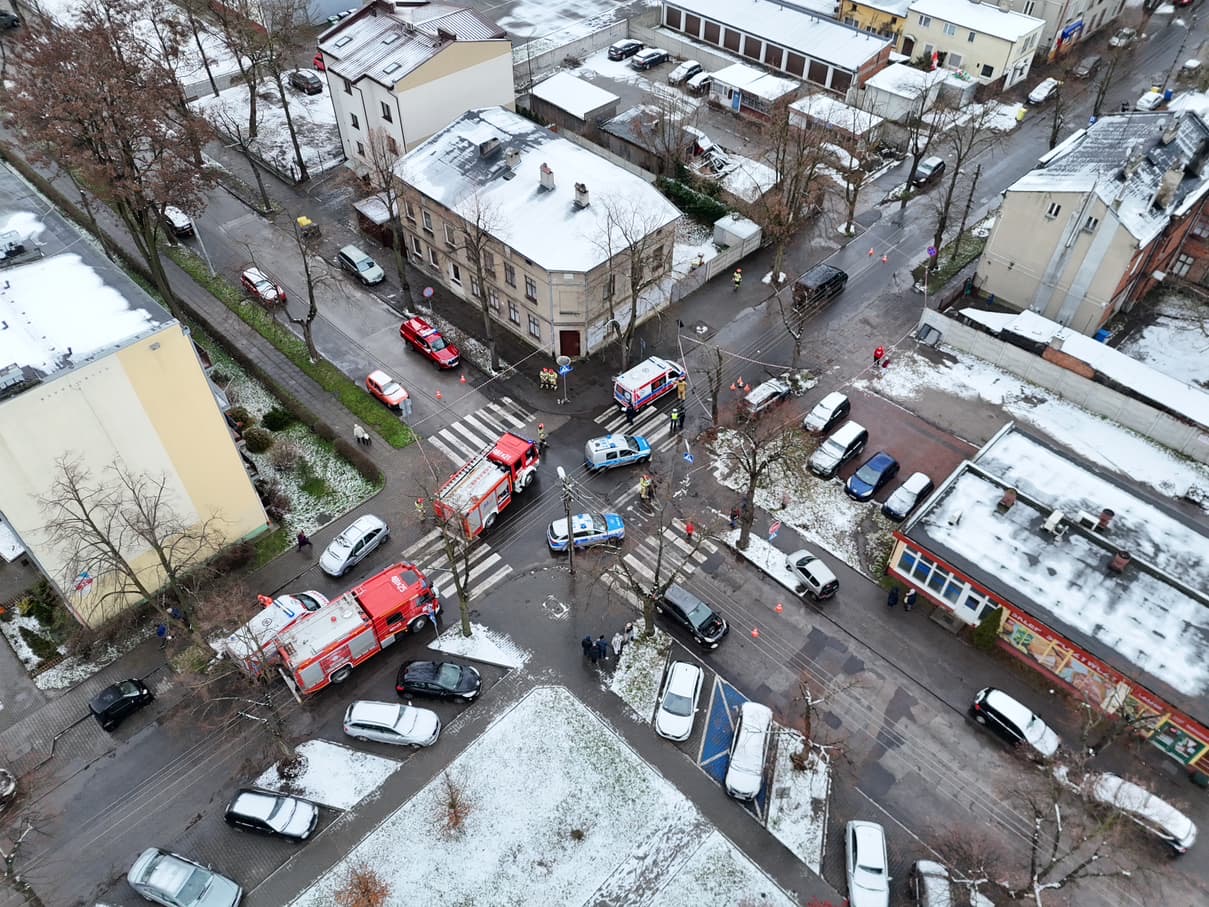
[[485, 485], [326, 646]]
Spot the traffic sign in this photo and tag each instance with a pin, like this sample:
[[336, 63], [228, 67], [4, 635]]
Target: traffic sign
[[565, 369], [688, 457], [774, 529], [428, 292]]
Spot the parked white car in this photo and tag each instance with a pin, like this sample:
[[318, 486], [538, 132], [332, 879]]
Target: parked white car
[[1152, 100], [1045, 90], [748, 751], [866, 865], [353, 545], [678, 704]]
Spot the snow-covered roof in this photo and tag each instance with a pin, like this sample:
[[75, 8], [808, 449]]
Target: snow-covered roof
[[572, 94], [756, 82], [1150, 621], [10, 545], [906, 81], [1126, 160], [808, 33], [893, 7], [986, 18], [826, 108], [385, 43], [66, 307], [1162, 391], [466, 167]]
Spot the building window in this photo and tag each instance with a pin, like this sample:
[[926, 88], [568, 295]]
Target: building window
[[1053, 210], [348, 87], [417, 247], [530, 288], [392, 146], [1090, 224], [971, 36], [493, 300], [488, 262], [476, 288], [950, 29], [925, 21], [509, 275], [360, 149], [535, 328], [356, 123], [1183, 265], [987, 71], [954, 60], [410, 211], [386, 112], [514, 312], [1200, 229], [1028, 7], [657, 258], [455, 273], [451, 237], [427, 220], [433, 257]]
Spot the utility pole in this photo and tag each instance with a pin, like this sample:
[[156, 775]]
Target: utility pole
[[562, 477]]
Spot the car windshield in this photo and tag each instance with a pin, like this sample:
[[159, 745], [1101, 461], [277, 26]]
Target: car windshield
[[833, 448], [598, 523], [699, 615], [631, 443], [437, 342], [392, 388], [364, 264], [869, 473], [675, 704], [283, 811], [558, 529], [449, 675], [195, 886]]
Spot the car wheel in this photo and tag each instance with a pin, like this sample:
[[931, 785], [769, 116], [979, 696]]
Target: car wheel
[[526, 481], [341, 675], [490, 521], [417, 624], [980, 719], [362, 739]]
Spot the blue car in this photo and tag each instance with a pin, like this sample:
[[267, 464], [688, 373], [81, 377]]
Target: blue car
[[588, 529], [616, 450], [872, 475]]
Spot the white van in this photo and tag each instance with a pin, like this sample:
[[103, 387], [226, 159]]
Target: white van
[[647, 382], [749, 749]]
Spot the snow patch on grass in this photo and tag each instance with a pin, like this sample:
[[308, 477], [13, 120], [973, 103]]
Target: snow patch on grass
[[484, 644], [797, 807], [331, 774], [639, 672], [73, 669], [1177, 342]]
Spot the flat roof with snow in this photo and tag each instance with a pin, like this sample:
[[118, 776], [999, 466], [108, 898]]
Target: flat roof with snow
[[904, 80], [1150, 622], [796, 29], [986, 18], [572, 94], [755, 81], [465, 167], [830, 111], [65, 308]]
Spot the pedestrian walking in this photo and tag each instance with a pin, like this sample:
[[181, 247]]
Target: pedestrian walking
[[737, 277], [878, 353], [909, 600], [631, 632], [420, 509], [304, 541], [602, 648], [734, 518], [360, 436], [181, 617], [161, 631], [689, 529], [892, 598], [541, 435], [644, 488], [592, 649], [675, 419], [588, 646], [682, 389], [630, 413], [618, 643]]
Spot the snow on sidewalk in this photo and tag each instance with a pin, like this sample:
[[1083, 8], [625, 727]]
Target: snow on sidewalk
[[331, 774], [638, 673], [484, 644]]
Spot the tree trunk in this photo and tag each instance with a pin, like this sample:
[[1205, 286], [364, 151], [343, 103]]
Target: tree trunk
[[748, 516], [965, 213], [303, 175], [201, 50], [488, 325]]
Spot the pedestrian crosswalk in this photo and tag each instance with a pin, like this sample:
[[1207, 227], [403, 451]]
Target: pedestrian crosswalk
[[487, 568], [653, 424], [655, 558], [468, 435]]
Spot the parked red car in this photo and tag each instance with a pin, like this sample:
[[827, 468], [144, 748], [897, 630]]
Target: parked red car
[[317, 63], [426, 339]]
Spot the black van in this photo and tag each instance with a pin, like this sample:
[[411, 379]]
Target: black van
[[819, 284]]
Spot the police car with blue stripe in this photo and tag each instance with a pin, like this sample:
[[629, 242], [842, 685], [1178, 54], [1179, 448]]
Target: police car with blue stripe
[[588, 529], [616, 450]]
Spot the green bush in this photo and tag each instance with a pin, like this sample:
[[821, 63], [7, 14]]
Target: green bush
[[986, 634], [240, 416], [39, 644], [257, 439], [219, 377], [277, 419], [697, 205], [314, 485]]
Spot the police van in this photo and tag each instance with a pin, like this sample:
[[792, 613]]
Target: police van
[[616, 450], [646, 382]]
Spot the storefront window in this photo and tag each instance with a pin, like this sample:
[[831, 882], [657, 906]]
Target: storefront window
[[906, 560], [1178, 743], [953, 590]]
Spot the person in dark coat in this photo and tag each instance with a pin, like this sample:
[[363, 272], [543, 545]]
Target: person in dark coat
[[602, 648], [892, 598], [909, 599], [588, 645], [630, 413], [303, 540]]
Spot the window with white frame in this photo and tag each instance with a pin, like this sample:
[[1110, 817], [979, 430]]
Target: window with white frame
[[950, 29], [514, 312], [476, 288], [451, 236], [987, 71], [433, 258], [426, 219], [925, 21], [954, 60], [939, 581], [530, 288], [1200, 229], [417, 247], [455, 272], [1053, 210], [488, 262], [493, 300], [409, 211], [1183, 264], [535, 328], [509, 275], [1090, 224]]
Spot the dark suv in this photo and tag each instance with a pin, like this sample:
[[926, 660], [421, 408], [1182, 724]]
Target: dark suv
[[626, 47], [110, 706], [706, 626]]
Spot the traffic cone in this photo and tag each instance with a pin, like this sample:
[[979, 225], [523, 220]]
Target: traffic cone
[[755, 632], [463, 378], [779, 608], [439, 397]]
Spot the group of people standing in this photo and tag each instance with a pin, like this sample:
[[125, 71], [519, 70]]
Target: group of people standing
[[600, 649]]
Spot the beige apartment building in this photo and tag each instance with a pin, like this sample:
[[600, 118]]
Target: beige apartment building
[[94, 371], [987, 43], [556, 225]]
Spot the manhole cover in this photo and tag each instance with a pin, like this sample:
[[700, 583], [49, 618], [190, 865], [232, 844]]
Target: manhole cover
[[701, 329]]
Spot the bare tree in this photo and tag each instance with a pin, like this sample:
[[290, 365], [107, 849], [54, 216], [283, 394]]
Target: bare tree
[[814, 695], [117, 121], [714, 375], [482, 224], [285, 25], [921, 127], [457, 550], [968, 136], [665, 128], [382, 153], [309, 255], [225, 120], [246, 39], [10, 853], [1106, 80]]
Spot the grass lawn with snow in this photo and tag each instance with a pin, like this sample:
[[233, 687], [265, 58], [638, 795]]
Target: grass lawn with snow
[[1176, 341], [639, 671], [331, 774], [562, 811], [483, 644]]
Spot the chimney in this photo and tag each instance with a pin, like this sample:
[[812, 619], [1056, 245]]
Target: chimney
[[1008, 499], [1106, 516], [581, 195], [1168, 185], [1170, 130], [489, 148], [547, 177], [512, 158], [1119, 562]]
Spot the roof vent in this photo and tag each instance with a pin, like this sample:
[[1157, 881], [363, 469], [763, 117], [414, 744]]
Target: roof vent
[[1086, 520], [1106, 516], [581, 195], [955, 518], [1170, 130], [1055, 524], [513, 158], [1006, 502], [547, 177], [489, 147], [1119, 562]]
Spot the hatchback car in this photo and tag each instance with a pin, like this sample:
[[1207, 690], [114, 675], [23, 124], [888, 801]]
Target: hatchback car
[[700, 83], [686, 609], [678, 703], [306, 81], [177, 222], [816, 577], [1045, 90], [270, 813], [866, 865], [927, 170], [386, 389], [844, 444], [424, 338], [1140, 806], [389, 722], [1152, 100], [906, 497], [318, 63], [612, 451], [683, 72], [359, 264], [441, 679], [1014, 722], [366, 534], [588, 529], [764, 396], [1123, 37], [649, 58], [827, 413], [1087, 67], [626, 47], [871, 476], [256, 283], [174, 881], [118, 700], [748, 751]]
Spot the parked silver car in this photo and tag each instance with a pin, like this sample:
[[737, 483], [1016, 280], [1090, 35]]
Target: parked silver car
[[866, 865], [353, 545], [175, 881], [389, 722], [678, 704]]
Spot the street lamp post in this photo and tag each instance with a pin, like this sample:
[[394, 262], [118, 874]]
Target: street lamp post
[[562, 477]]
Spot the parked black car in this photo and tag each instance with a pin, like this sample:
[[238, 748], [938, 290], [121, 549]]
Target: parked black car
[[442, 679], [111, 706], [1014, 722], [626, 47], [9, 20], [267, 812], [927, 170], [706, 626], [306, 81]]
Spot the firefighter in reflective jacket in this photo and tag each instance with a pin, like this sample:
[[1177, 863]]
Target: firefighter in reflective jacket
[[644, 488]]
